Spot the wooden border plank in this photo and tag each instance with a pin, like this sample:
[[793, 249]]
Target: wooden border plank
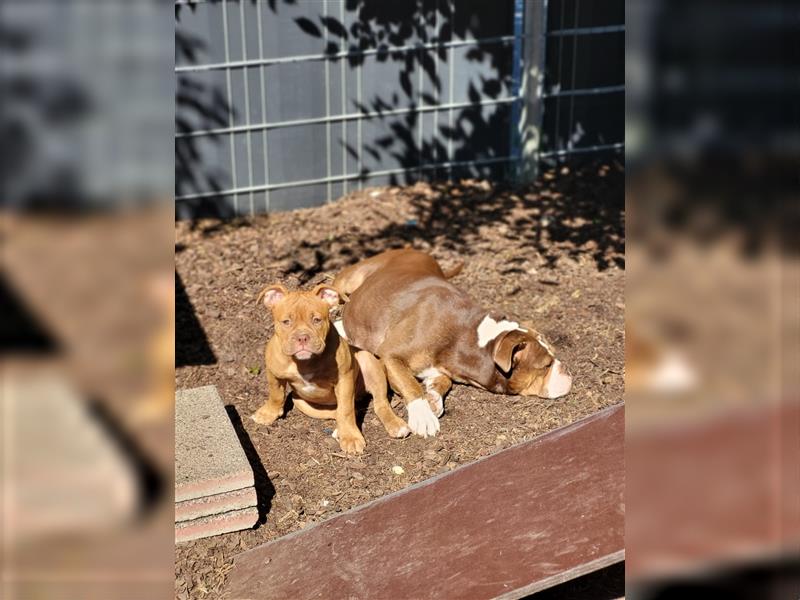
[[527, 518]]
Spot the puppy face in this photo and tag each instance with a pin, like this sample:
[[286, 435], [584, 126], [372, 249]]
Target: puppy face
[[301, 318], [530, 365]]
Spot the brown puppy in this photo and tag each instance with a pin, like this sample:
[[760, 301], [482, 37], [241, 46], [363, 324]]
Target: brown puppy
[[324, 374], [403, 309], [653, 365]]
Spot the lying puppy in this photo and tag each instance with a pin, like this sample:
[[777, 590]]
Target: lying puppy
[[654, 365], [324, 374], [403, 309]]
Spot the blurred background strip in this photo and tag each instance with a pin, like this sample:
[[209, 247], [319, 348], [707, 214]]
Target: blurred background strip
[[87, 121], [712, 433]]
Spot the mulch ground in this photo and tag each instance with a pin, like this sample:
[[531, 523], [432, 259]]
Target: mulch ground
[[551, 253]]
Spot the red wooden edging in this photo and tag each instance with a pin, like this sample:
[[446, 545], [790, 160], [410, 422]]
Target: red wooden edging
[[522, 520], [721, 492]]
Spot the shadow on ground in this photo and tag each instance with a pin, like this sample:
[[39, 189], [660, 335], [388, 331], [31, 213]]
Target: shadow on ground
[[572, 212], [150, 482], [191, 343], [20, 331], [771, 579], [605, 584], [265, 491]]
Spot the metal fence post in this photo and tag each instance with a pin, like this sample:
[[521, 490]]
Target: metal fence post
[[531, 104]]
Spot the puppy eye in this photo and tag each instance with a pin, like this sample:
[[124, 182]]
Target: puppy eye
[[287, 322], [317, 320]]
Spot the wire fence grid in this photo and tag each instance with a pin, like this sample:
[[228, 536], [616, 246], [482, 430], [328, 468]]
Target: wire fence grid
[[288, 104]]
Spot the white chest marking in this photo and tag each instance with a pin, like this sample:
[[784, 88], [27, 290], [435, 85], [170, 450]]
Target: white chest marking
[[308, 385], [429, 373], [339, 325], [489, 329]]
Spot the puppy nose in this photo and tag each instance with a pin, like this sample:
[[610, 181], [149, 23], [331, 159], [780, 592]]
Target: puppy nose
[[302, 338]]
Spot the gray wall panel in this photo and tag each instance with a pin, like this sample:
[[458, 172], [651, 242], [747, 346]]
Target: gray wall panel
[[295, 91], [297, 153], [587, 61], [585, 121], [300, 197], [583, 108]]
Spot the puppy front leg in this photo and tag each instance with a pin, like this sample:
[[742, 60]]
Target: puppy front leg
[[421, 419], [350, 438], [272, 409]]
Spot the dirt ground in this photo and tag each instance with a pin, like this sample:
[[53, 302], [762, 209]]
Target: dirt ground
[[551, 254]]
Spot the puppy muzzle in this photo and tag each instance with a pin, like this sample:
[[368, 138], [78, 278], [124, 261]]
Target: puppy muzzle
[[558, 382]]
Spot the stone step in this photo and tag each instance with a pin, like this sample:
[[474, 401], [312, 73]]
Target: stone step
[[209, 458], [212, 505], [215, 524]]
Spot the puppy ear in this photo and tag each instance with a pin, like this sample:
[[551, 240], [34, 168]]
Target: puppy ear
[[328, 294], [271, 295], [505, 346]]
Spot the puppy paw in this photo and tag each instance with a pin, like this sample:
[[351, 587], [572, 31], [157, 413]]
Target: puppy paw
[[351, 443], [435, 401], [398, 430], [421, 419], [266, 415]]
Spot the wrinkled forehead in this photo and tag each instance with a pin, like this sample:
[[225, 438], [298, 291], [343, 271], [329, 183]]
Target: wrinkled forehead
[[301, 305], [542, 341]]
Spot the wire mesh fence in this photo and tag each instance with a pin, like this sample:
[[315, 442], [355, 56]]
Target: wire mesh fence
[[87, 116], [287, 104]]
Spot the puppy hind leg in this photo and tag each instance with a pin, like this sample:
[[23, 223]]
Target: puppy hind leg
[[374, 380]]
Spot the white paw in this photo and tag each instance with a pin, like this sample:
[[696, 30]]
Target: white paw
[[436, 402], [421, 419]]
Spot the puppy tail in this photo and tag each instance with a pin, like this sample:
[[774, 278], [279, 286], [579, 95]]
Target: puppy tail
[[452, 272]]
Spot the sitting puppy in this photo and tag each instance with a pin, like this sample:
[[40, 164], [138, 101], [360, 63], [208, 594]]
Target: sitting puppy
[[324, 373]]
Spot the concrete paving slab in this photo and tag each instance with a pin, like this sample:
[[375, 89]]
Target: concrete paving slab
[[234, 520], [208, 456], [64, 472], [523, 520], [212, 505]]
